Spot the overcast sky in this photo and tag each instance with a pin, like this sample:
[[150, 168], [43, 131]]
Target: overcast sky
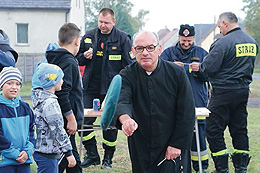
[[173, 13]]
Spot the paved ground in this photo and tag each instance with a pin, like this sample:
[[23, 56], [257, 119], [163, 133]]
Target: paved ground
[[256, 76], [254, 102]]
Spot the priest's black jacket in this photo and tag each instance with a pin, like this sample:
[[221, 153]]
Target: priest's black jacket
[[162, 105]]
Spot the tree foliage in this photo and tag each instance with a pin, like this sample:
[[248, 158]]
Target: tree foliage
[[252, 20], [122, 8]]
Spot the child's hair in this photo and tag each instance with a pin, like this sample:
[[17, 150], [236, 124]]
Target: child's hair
[[10, 73], [67, 33]]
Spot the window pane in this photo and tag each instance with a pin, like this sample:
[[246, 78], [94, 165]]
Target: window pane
[[22, 33]]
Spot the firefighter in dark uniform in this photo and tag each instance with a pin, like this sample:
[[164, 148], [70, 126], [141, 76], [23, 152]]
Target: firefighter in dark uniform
[[104, 51], [182, 54], [229, 65]]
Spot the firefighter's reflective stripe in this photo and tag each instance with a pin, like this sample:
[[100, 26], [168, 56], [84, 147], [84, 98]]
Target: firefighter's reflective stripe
[[110, 144], [241, 151], [89, 136], [222, 152], [201, 117], [203, 155]]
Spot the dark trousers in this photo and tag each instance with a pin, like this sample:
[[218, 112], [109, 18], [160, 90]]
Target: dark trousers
[[108, 135], [203, 146], [24, 168], [228, 108], [45, 164], [64, 163]]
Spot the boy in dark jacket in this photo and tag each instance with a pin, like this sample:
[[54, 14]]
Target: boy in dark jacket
[[70, 96]]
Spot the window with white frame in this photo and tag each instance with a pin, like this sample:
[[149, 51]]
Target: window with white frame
[[22, 33]]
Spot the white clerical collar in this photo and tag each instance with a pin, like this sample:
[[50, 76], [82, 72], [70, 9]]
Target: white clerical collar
[[149, 72]]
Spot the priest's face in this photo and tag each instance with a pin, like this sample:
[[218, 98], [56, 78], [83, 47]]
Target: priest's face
[[146, 50]]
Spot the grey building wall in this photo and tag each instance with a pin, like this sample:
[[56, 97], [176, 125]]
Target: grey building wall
[[26, 64]]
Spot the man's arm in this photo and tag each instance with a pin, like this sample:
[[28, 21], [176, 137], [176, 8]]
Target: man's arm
[[197, 74], [212, 62], [185, 114], [85, 53], [72, 124], [123, 114]]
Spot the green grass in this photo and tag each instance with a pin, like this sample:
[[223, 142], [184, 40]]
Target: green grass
[[26, 89], [254, 139], [257, 70], [122, 164], [121, 160]]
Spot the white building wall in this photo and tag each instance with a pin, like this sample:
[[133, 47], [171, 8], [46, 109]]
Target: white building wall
[[43, 26], [77, 14], [172, 41], [210, 39]]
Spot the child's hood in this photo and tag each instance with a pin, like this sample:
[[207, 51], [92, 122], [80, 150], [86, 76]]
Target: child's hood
[[54, 56], [11, 103]]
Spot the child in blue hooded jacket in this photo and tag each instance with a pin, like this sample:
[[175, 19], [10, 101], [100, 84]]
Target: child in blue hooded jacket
[[16, 125]]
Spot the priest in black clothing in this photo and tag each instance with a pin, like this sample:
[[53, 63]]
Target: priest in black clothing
[[155, 108]]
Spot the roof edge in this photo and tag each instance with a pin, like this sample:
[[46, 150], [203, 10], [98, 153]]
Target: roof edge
[[33, 8]]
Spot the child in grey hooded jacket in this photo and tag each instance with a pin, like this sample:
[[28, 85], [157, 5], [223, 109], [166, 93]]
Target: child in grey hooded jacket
[[52, 138]]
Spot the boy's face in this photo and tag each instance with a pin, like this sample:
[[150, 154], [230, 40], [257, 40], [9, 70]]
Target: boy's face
[[58, 86], [11, 89]]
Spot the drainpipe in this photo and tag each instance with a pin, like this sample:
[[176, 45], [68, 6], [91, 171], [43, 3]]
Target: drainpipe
[[106, 3], [67, 16]]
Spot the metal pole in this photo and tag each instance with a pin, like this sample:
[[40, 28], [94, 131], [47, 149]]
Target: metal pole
[[198, 144]]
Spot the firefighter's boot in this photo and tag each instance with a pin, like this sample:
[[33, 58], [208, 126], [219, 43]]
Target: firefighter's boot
[[240, 162], [107, 161], [221, 163], [91, 157]]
